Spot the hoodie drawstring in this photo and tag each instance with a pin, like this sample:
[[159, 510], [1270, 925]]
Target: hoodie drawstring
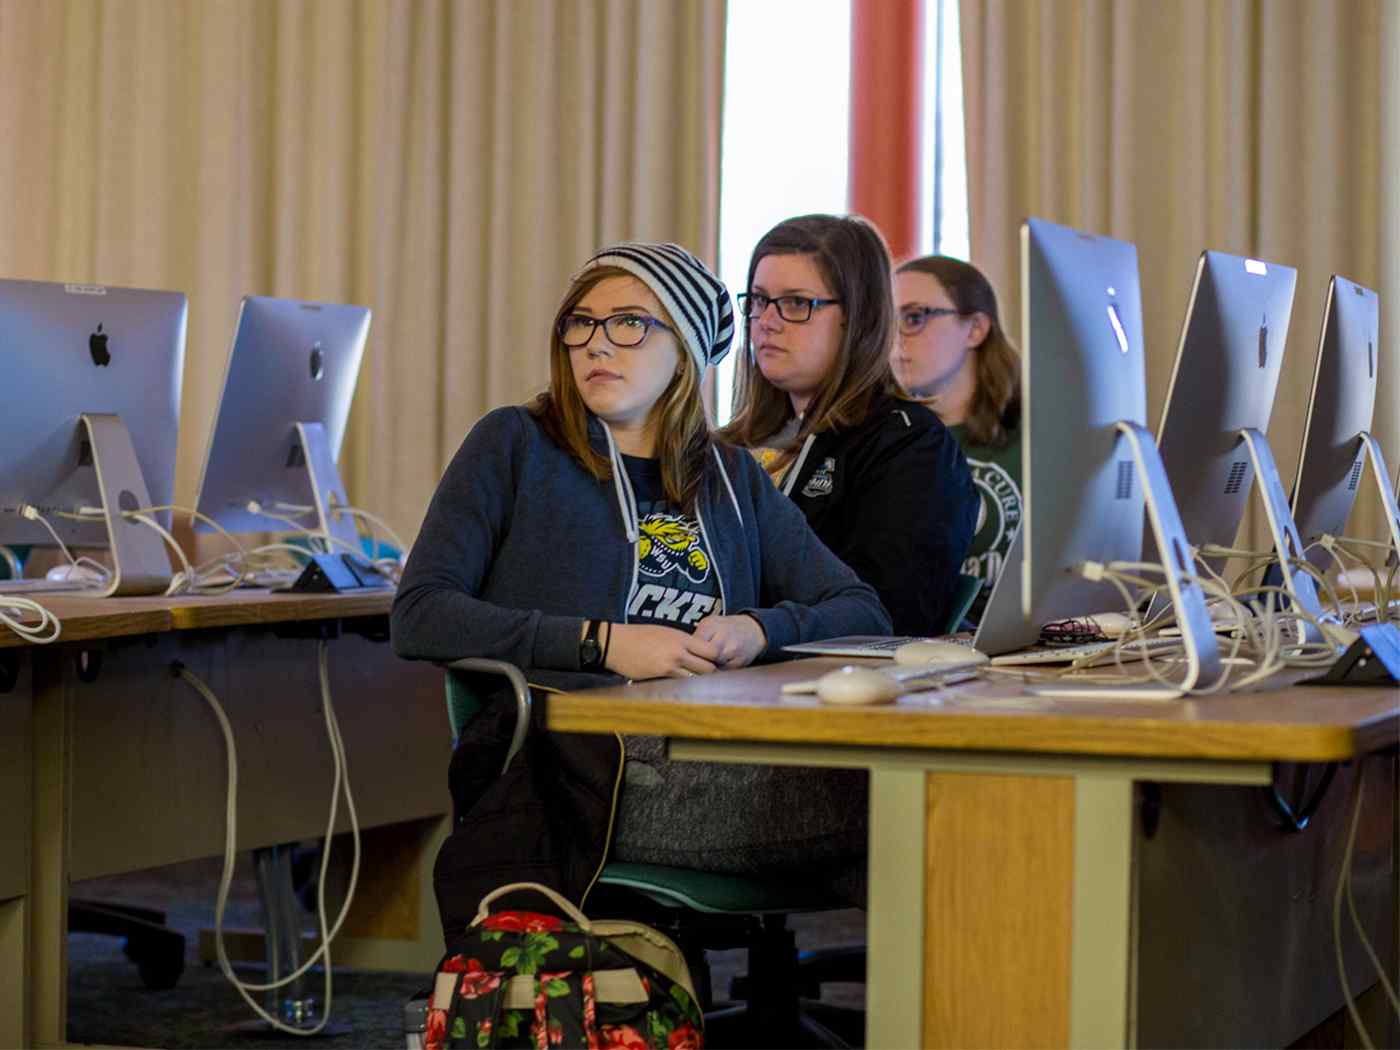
[[790, 478]]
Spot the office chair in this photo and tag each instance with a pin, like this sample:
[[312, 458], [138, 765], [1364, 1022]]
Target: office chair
[[156, 949]]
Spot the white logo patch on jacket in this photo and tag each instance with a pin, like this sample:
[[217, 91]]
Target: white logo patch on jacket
[[819, 484]]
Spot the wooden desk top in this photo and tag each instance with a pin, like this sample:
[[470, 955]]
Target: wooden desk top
[[1295, 723], [88, 619]]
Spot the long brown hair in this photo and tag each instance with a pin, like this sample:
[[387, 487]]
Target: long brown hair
[[683, 438], [854, 261], [996, 403]]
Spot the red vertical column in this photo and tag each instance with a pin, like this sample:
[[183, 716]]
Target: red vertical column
[[886, 141]]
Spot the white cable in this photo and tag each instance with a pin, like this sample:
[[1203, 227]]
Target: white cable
[[31, 513], [186, 572], [341, 778], [376, 522], [1344, 890], [33, 633]]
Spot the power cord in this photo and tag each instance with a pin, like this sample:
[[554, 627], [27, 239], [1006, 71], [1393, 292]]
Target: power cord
[[12, 609], [1344, 891], [342, 779]]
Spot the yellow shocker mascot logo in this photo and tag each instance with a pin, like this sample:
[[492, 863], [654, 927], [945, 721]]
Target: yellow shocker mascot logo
[[669, 543]]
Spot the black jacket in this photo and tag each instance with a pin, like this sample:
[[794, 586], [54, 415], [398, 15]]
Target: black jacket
[[893, 498]]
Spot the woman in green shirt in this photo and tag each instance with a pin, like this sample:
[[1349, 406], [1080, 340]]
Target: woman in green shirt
[[954, 357]]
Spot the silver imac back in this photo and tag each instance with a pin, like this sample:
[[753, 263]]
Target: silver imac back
[[1082, 340], [1224, 381], [291, 363], [1340, 408], [72, 349]]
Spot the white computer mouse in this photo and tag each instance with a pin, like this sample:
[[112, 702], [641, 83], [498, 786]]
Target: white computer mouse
[[76, 574], [856, 686], [926, 652]]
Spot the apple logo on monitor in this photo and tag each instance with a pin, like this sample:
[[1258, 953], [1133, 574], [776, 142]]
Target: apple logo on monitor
[[318, 362], [1264, 343], [97, 346]]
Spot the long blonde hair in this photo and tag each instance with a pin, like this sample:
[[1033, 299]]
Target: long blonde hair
[[683, 438], [995, 411], [853, 259]]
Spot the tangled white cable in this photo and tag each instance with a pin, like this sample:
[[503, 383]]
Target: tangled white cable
[[12, 610]]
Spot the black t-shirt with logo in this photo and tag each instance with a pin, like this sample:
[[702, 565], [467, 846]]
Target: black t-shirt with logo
[[677, 585]]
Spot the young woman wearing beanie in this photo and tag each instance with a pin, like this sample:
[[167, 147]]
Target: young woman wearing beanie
[[955, 358], [600, 530], [880, 479]]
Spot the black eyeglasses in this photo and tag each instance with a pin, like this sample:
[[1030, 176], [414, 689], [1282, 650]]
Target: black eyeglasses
[[912, 322], [795, 309], [622, 330]]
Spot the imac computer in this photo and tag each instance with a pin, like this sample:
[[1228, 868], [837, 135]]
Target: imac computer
[[89, 413], [1224, 381], [1337, 444], [286, 397], [1219, 401], [1090, 464]]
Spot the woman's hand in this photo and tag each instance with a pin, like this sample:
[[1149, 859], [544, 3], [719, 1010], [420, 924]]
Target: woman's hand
[[638, 650], [738, 640]]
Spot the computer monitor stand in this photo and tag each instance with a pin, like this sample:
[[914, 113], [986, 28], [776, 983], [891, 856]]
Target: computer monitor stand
[[1301, 589], [1202, 653], [140, 564], [1389, 508], [328, 493]]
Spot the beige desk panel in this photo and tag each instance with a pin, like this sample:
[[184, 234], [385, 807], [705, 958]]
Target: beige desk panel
[[159, 797]]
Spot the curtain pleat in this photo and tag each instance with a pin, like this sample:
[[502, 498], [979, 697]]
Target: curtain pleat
[[448, 163], [1259, 127]]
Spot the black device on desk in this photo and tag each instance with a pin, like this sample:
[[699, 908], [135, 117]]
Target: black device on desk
[[337, 574]]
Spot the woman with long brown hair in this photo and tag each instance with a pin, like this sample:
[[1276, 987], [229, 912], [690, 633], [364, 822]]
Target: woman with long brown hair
[[955, 358], [600, 532], [880, 479]]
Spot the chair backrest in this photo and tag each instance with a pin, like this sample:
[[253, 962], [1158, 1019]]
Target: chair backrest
[[465, 696], [963, 596], [462, 700]]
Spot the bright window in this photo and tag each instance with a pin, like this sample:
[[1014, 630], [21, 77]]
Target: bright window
[[786, 107], [785, 135]]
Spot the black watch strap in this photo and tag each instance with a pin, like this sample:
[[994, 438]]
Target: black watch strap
[[590, 652]]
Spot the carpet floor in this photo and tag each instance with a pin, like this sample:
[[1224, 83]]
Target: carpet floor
[[108, 1004]]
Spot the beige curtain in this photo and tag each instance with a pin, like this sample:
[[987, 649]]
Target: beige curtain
[[1268, 128], [448, 164]]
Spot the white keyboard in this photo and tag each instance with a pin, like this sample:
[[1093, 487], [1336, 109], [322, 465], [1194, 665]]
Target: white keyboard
[[1068, 654]]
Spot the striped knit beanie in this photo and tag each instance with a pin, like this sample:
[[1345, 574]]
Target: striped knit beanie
[[696, 299]]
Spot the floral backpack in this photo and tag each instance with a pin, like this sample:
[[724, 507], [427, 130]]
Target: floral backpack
[[523, 979]]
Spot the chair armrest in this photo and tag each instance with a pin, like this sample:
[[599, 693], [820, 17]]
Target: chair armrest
[[521, 688]]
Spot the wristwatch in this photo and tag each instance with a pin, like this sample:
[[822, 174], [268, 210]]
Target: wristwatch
[[590, 653]]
